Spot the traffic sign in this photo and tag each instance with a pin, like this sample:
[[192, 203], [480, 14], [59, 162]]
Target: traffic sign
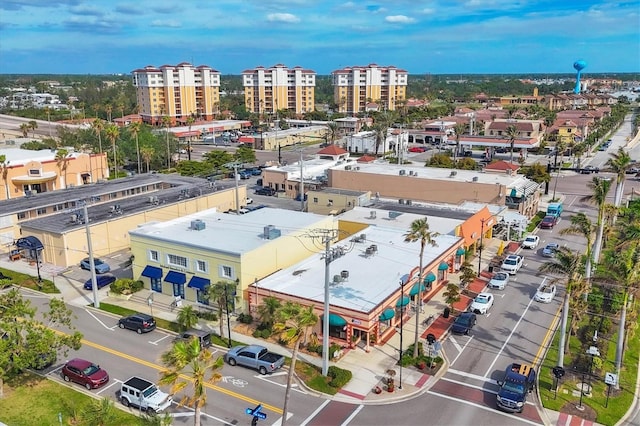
[[256, 412], [610, 378]]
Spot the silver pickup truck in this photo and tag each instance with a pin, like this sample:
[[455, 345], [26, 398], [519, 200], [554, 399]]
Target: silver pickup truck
[[256, 357]]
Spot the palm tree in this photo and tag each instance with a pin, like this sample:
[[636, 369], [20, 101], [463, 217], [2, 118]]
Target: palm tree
[[268, 310], [582, 225], [451, 296], [221, 293], [187, 317], [293, 322], [98, 127], [33, 125], [113, 132], [190, 122], [108, 108], [419, 231], [332, 127], [560, 147], [569, 264], [201, 367], [100, 412], [459, 128], [134, 128], [147, 153], [619, 163], [4, 170], [381, 135], [600, 188], [166, 122], [511, 132], [62, 161], [24, 128]]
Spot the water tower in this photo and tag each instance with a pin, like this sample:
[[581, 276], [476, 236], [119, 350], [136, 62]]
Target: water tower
[[579, 66]]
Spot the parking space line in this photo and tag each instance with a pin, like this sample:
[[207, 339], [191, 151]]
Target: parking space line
[[115, 382], [155, 342], [100, 321]]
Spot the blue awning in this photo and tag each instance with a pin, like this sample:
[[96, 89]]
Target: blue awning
[[417, 287], [431, 277], [199, 283], [460, 251], [403, 301], [335, 320], [387, 314], [29, 243], [174, 277], [443, 266], [152, 272]]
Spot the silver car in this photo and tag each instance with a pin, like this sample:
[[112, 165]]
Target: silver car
[[550, 250], [499, 281]]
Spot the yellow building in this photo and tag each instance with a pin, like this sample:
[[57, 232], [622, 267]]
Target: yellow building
[[267, 90], [568, 132], [178, 92], [359, 89], [182, 257]]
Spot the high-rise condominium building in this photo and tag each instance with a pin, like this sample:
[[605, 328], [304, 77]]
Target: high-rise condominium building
[[177, 92], [355, 87], [267, 90]]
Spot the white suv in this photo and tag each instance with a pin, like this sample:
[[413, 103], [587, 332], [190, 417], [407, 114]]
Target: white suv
[[512, 264]]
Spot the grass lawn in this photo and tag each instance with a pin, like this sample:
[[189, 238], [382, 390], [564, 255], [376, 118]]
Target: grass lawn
[[24, 280], [33, 400], [619, 401]]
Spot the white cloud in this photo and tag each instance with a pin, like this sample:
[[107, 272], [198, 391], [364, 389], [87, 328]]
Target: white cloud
[[399, 19], [166, 23], [283, 17], [428, 11]]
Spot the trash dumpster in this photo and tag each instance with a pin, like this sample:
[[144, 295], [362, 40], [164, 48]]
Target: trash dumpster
[[446, 313]]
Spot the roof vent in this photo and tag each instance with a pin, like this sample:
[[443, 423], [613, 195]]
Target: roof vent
[[198, 225], [347, 167], [402, 172], [363, 237], [271, 232], [344, 275], [453, 173], [475, 178]]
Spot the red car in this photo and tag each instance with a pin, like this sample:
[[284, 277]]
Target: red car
[[417, 149], [548, 222], [84, 372]]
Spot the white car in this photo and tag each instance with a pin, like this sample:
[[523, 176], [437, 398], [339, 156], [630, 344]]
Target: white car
[[249, 200], [545, 293], [482, 303], [531, 242], [499, 281], [512, 264], [550, 250]]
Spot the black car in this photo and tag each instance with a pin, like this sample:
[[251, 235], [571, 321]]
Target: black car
[[464, 323], [265, 190], [102, 281], [141, 323], [589, 169]]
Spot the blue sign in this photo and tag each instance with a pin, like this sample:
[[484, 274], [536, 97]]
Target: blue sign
[[256, 412]]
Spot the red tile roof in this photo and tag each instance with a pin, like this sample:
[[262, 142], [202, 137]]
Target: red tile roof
[[332, 150], [502, 165], [366, 159]]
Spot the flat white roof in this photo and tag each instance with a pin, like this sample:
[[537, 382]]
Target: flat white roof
[[229, 233], [17, 156], [372, 279], [434, 173], [399, 220]]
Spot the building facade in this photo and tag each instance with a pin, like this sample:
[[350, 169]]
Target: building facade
[[177, 92], [357, 88], [267, 90]]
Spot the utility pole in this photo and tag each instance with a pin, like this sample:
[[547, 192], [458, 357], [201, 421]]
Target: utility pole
[[301, 181], [237, 177], [92, 265]]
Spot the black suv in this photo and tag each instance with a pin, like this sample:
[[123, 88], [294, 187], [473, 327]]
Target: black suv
[[141, 323], [265, 190]]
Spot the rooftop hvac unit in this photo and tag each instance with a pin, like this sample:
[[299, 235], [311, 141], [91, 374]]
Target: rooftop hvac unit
[[374, 248], [401, 201], [368, 251], [402, 172], [415, 173], [198, 225], [453, 173], [271, 232], [28, 193], [344, 275], [347, 167], [408, 202], [363, 237], [372, 214], [393, 215], [337, 279], [410, 172], [153, 199], [475, 178]]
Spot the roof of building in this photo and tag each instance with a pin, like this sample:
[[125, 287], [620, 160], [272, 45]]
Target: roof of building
[[502, 165], [229, 233], [397, 219], [366, 159], [17, 156], [371, 278], [332, 150]]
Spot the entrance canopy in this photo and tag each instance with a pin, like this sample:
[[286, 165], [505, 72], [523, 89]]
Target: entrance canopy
[[29, 243]]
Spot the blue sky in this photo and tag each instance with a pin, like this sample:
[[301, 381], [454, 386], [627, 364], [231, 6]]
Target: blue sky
[[438, 37]]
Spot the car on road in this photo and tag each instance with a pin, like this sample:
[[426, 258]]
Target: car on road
[[589, 169], [550, 250], [531, 242], [482, 303], [84, 372], [548, 222], [417, 149], [499, 281], [633, 170], [265, 190], [140, 323], [244, 174], [512, 264], [101, 266], [249, 200], [545, 293], [101, 281], [464, 323]]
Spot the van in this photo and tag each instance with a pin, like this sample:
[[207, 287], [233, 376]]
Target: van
[[203, 336]]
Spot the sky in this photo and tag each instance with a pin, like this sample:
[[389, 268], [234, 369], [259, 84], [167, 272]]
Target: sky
[[437, 37]]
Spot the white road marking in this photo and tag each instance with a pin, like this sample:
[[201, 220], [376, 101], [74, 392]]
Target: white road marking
[[100, 321], [155, 342], [461, 350], [455, 344], [355, 413], [482, 407], [470, 375], [279, 421], [115, 382], [294, 386], [315, 413], [490, 369]]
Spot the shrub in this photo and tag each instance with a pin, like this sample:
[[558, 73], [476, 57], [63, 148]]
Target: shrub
[[207, 315], [266, 333], [338, 376], [126, 286], [257, 333], [315, 348], [245, 318]]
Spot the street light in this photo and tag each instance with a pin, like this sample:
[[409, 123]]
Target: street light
[[481, 241], [226, 301], [401, 325]]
